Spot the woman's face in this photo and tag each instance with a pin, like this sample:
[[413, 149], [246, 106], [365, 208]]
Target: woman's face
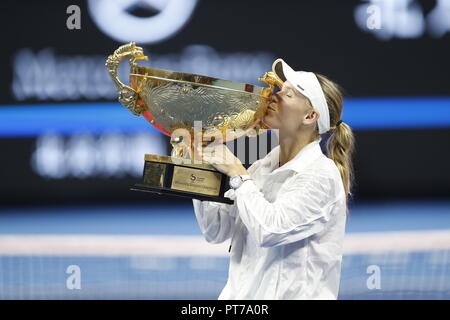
[[289, 110]]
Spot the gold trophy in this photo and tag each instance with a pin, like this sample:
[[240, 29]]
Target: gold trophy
[[175, 103]]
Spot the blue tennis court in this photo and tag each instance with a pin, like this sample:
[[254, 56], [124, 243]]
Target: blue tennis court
[[407, 270]]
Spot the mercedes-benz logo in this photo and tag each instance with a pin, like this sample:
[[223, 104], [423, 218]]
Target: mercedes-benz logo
[[113, 17]]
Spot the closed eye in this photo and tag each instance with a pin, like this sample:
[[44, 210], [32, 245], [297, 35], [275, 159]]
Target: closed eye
[[285, 91]]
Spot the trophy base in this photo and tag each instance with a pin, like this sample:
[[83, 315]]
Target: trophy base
[[169, 192], [196, 181]]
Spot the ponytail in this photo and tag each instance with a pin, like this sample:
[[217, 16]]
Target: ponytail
[[340, 145]]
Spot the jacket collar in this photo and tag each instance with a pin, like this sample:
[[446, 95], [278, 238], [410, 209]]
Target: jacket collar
[[305, 156]]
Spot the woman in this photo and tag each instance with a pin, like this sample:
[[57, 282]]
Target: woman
[[287, 222]]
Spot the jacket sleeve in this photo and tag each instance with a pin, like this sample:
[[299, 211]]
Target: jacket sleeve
[[300, 211], [216, 220]]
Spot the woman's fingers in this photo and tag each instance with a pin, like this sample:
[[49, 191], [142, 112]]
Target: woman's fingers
[[212, 152]]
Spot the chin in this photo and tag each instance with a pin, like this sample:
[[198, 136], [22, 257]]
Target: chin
[[269, 123]]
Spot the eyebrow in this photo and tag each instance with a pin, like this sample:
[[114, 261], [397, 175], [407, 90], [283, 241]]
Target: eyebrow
[[293, 90]]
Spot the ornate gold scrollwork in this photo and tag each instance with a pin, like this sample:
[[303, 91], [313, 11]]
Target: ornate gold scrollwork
[[128, 97], [271, 79]]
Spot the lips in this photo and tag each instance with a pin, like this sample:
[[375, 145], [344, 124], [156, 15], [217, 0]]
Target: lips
[[272, 107]]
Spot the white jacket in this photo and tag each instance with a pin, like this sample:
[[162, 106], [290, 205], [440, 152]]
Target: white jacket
[[287, 227]]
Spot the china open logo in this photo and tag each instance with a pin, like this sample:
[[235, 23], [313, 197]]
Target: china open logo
[[115, 19]]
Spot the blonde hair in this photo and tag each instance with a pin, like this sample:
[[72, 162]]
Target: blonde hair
[[340, 145]]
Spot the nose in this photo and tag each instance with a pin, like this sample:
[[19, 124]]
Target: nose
[[274, 98]]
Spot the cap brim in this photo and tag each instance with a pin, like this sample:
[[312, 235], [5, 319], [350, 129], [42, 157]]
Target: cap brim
[[285, 73], [277, 68], [282, 70]]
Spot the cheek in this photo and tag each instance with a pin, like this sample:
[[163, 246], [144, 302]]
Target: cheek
[[290, 113]]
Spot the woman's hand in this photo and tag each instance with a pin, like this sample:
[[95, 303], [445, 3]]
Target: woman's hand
[[218, 155]]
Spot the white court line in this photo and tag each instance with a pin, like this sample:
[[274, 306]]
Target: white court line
[[188, 246], [108, 245], [396, 241]]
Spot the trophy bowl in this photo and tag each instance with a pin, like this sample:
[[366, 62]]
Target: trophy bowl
[[179, 104]]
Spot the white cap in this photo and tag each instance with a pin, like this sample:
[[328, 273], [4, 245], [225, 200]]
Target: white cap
[[308, 85]]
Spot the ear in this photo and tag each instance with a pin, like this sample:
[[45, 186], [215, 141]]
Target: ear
[[311, 117]]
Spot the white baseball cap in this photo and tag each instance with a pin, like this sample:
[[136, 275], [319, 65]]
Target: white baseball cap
[[308, 85]]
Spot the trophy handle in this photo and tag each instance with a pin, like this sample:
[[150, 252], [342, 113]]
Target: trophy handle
[[128, 97], [271, 79]]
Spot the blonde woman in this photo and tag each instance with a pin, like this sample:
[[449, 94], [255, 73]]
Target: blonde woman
[[287, 222]]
